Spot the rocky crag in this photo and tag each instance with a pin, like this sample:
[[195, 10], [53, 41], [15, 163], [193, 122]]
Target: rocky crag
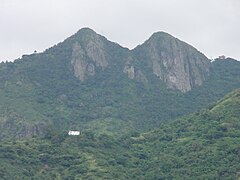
[[176, 63]]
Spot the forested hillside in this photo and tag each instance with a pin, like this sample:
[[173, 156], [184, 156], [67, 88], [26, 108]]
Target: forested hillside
[[204, 145]]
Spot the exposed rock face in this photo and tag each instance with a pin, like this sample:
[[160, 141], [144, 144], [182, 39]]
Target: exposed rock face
[[178, 64], [14, 126], [140, 77], [95, 52], [129, 70], [88, 54], [36, 130], [80, 63], [132, 73]]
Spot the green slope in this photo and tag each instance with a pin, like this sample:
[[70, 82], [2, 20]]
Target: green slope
[[204, 145]]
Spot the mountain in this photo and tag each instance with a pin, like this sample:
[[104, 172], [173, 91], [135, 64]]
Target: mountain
[[203, 145], [88, 83], [178, 64]]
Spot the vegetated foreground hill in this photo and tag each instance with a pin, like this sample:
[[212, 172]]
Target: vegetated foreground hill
[[89, 83], [204, 145]]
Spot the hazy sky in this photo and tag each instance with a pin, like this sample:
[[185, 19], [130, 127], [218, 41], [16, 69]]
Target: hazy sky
[[212, 26]]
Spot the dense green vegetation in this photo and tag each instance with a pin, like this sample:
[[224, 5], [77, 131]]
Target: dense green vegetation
[[39, 92], [204, 145], [131, 128]]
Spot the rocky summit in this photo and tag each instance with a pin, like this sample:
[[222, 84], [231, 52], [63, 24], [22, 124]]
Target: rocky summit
[[178, 64], [174, 62], [89, 83]]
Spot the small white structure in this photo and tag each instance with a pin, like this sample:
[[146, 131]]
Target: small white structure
[[222, 57], [73, 133]]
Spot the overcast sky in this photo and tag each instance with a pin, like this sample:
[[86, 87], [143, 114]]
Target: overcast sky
[[212, 26]]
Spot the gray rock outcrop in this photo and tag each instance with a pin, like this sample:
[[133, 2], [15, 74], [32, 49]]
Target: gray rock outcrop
[[88, 54], [176, 63]]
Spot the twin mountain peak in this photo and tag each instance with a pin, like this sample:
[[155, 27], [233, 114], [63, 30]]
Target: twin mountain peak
[[176, 63]]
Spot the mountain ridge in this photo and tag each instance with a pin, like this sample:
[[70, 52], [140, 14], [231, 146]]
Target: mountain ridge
[[166, 59], [89, 82]]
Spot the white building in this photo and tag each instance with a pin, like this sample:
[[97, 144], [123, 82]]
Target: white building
[[73, 133], [222, 57]]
